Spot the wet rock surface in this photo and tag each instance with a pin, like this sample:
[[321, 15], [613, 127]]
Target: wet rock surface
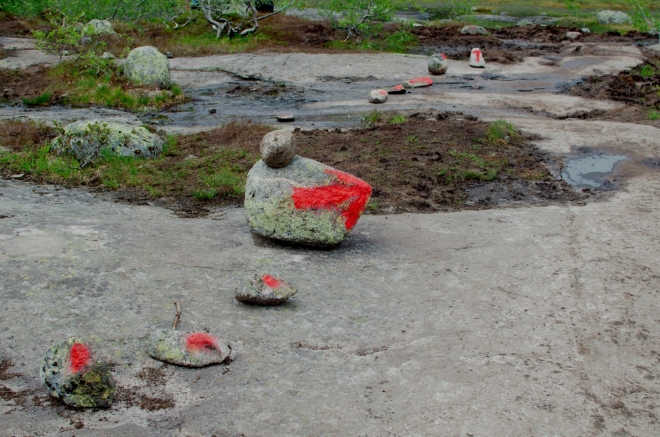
[[265, 289], [187, 349], [305, 202], [71, 372]]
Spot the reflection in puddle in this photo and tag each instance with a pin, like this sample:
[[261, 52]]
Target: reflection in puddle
[[590, 171]]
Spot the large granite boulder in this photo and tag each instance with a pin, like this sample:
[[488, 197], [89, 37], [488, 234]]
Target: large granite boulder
[[613, 17], [305, 202], [86, 140], [99, 27], [187, 349], [71, 373], [147, 66]]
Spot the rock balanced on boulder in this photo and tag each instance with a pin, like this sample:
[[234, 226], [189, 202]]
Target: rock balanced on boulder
[[303, 202], [438, 64]]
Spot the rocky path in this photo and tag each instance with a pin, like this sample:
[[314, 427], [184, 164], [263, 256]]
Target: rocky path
[[510, 322]]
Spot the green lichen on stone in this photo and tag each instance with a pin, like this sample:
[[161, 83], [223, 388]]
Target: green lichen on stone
[[147, 66], [93, 387], [169, 346], [87, 140], [98, 27], [271, 212]]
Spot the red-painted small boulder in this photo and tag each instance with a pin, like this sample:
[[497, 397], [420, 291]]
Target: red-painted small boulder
[[187, 349], [378, 96], [477, 59], [418, 82], [265, 290], [305, 202], [71, 373]]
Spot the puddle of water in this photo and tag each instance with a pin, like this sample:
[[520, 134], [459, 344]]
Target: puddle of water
[[590, 171]]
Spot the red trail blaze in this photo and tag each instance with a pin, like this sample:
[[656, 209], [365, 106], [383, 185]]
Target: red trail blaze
[[348, 194], [79, 357], [197, 341], [477, 54], [271, 281], [424, 79]]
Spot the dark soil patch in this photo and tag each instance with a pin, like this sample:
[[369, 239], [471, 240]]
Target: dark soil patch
[[28, 83], [5, 374], [153, 377], [19, 27], [155, 380], [639, 87]]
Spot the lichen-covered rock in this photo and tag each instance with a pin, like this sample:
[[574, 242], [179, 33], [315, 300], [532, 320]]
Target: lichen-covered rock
[[278, 148], [377, 96], [438, 63], [418, 82], [473, 30], [86, 140], [187, 349], [585, 30], [147, 66], [613, 17], [477, 59], [71, 373], [265, 290], [305, 202], [99, 27]]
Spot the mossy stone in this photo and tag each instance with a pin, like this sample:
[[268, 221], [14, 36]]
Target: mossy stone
[[147, 66]]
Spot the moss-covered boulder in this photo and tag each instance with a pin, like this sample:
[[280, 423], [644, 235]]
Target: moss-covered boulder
[[613, 17], [265, 289], [188, 349], [305, 202], [147, 66], [87, 140], [71, 373], [99, 27]]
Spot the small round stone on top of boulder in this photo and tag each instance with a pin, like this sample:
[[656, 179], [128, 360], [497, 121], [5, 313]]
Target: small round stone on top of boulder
[[438, 63], [278, 148], [378, 96], [71, 372], [265, 289], [187, 349], [473, 30]]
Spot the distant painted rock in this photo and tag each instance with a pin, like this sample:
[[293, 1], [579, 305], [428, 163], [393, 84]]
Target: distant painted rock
[[278, 148], [147, 66], [473, 30], [613, 17], [438, 63], [286, 118], [265, 290], [87, 140], [396, 89], [187, 349], [305, 202], [523, 23], [71, 373], [99, 27], [418, 82], [378, 96], [573, 35], [477, 59], [585, 30]]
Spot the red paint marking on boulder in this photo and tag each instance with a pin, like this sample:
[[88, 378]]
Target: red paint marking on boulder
[[443, 56], [382, 92], [477, 54], [79, 357], [424, 79], [271, 281], [348, 194], [398, 87], [201, 340]]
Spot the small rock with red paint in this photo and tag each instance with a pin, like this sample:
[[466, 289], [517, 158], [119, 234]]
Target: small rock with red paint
[[378, 96], [265, 290], [278, 148], [71, 372], [438, 64], [418, 82], [187, 349], [396, 89], [305, 202], [477, 59]]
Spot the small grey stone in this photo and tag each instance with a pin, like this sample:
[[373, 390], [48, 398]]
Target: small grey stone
[[377, 96], [437, 64], [169, 55], [278, 148], [573, 35], [473, 30], [187, 349], [265, 290], [523, 23], [212, 111], [286, 117], [107, 56], [585, 30], [71, 373], [147, 66]]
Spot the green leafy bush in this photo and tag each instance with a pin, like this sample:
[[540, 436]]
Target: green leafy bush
[[356, 17]]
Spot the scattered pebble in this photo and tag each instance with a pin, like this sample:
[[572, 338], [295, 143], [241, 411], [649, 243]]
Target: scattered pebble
[[187, 349], [585, 30], [378, 96], [286, 118], [107, 56], [169, 55], [477, 59], [278, 148], [212, 111], [71, 373], [573, 35], [265, 290]]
